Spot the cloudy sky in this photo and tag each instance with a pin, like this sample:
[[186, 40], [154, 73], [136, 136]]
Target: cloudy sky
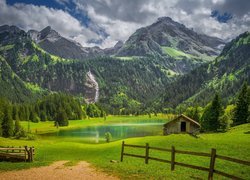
[[104, 22]]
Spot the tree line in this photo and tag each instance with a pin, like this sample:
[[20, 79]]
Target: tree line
[[57, 107], [214, 117]]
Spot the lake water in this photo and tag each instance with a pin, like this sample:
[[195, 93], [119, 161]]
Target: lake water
[[96, 134]]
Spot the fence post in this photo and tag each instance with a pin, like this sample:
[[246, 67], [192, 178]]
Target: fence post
[[25, 154], [172, 158], [122, 150], [147, 153], [31, 154], [26, 150], [212, 163]]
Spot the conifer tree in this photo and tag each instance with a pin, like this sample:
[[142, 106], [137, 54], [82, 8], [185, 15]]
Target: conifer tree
[[1, 119], [62, 118], [242, 106], [196, 115], [7, 122], [17, 127], [212, 114], [15, 112]]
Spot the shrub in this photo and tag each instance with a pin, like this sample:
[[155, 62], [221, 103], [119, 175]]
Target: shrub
[[108, 137]]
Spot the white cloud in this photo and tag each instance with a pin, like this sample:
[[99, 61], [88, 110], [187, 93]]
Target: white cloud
[[118, 30], [38, 17], [121, 18], [218, 1]]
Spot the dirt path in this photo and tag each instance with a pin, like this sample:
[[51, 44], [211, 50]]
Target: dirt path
[[57, 170]]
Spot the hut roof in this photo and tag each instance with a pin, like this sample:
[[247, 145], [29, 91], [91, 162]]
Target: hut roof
[[185, 117]]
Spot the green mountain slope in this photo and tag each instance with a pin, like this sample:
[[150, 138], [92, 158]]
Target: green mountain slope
[[225, 75], [13, 88]]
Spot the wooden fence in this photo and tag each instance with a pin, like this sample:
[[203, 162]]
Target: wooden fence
[[17, 153], [211, 169]]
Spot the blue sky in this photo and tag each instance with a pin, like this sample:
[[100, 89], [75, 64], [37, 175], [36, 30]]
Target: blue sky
[[69, 7], [221, 17], [104, 22]]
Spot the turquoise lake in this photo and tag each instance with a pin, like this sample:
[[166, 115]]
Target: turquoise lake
[[96, 134]]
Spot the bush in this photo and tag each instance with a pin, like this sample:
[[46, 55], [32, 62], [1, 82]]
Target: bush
[[225, 123], [21, 133], [108, 137]]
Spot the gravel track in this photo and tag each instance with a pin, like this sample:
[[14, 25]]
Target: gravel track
[[57, 170]]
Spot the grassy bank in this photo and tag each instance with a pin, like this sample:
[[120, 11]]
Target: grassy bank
[[235, 143]]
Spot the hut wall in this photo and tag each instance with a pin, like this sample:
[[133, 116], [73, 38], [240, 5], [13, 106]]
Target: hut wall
[[175, 127], [187, 126], [172, 128], [193, 128]]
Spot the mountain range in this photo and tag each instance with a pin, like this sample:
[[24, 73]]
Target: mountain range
[[164, 61], [151, 40]]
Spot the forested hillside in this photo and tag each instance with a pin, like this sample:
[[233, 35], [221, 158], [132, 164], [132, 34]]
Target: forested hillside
[[13, 88], [138, 79], [224, 75]]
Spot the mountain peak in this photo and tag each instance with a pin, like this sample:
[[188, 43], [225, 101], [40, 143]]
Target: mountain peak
[[48, 28], [245, 34], [242, 39], [164, 18], [169, 22], [9, 28], [49, 33]]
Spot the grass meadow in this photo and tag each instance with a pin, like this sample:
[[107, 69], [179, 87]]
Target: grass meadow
[[235, 143]]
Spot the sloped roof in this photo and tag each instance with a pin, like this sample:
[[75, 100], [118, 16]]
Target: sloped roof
[[185, 117]]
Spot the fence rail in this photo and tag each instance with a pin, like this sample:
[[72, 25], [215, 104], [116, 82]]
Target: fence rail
[[17, 153], [211, 169]]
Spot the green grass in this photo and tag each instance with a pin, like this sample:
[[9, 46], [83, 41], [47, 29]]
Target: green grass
[[174, 53], [7, 47], [34, 87], [54, 58], [126, 58], [231, 77], [235, 143]]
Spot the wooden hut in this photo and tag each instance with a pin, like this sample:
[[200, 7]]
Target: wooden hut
[[181, 124]]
